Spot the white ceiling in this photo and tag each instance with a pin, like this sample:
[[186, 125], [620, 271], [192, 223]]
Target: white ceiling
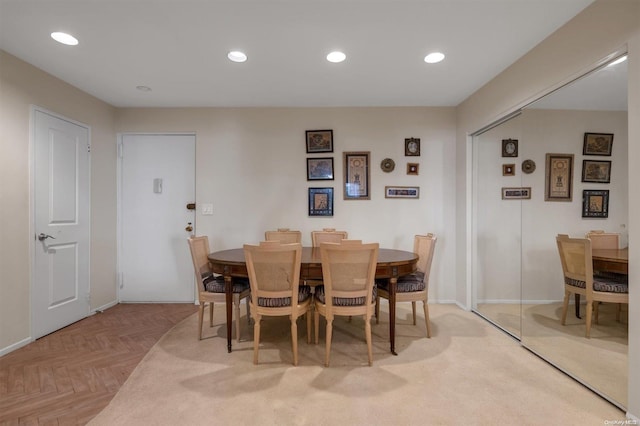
[[179, 47]]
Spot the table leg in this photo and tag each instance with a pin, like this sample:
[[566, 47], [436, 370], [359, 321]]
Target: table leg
[[577, 300], [228, 291], [393, 281]]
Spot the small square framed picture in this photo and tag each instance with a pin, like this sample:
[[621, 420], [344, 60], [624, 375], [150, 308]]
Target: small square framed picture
[[508, 170], [413, 168]]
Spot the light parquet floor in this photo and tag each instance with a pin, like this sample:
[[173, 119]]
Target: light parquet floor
[[69, 376]]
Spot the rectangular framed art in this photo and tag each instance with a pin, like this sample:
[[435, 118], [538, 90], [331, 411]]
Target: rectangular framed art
[[356, 176], [597, 144], [401, 192], [516, 193], [320, 201], [559, 177], [320, 168], [595, 203], [319, 141], [596, 171]]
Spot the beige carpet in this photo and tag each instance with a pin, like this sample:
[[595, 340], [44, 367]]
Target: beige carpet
[[601, 361], [468, 373]]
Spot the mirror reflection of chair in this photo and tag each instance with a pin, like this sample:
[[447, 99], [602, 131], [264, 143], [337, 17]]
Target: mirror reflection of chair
[[577, 267], [606, 241], [274, 275], [328, 235], [211, 288], [415, 287], [348, 270], [603, 240], [284, 235]]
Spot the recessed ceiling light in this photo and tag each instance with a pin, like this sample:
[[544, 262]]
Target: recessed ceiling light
[[433, 58], [336, 57], [143, 88], [617, 61], [237, 56], [64, 38]]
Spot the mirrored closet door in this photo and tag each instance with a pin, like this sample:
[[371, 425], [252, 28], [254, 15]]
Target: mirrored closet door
[[518, 280]]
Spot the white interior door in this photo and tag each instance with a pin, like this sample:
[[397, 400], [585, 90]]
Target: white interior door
[[61, 212], [157, 183]]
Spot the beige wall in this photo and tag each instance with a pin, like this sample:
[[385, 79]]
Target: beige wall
[[21, 86], [604, 27], [251, 165]]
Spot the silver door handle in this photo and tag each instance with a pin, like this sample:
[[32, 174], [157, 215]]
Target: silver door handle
[[43, 237]]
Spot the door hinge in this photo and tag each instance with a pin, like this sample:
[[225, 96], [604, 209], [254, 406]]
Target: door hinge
[[120, 151], [88, 148]]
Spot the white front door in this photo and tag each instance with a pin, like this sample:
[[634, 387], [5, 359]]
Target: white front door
[[61, 212], [157, 183]]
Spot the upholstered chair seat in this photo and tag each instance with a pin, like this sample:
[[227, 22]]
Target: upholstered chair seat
[[344, 301]]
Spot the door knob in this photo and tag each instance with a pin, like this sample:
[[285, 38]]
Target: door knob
[[189, 228], [43, 237]]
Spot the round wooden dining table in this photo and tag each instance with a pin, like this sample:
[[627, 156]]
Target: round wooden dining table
[[391, 265]]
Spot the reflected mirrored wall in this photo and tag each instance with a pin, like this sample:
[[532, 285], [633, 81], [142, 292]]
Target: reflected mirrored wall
[[518, 281]]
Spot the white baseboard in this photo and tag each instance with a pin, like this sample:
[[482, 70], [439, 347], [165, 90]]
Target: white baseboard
[[15, 346]]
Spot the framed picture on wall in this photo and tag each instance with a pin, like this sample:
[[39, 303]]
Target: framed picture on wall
[[597, 144], [320, 201], [401, 192], [319, 141], [596, 171], [320, 168], [559, 177], [412, 147], [356, 176], [595, 203]]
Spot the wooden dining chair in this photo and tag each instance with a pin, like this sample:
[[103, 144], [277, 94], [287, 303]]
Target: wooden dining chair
[[284, 235], [274, 275], [415, 287], [348, 270], [211, 288], [577, 268], [327, 235]]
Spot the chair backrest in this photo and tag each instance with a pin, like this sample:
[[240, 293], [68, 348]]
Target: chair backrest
[[284, 235], [348, 270], [424, 246], [575, 256], [603, 240], [327, 235], [199, 247], [274, 269]]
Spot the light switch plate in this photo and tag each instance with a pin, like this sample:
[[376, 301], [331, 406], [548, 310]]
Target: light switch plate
[[207, 209]]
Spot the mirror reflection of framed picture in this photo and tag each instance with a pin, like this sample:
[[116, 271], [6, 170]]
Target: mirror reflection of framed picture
[[597, 144], [559, 177], [595, 203], [596, 171]]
